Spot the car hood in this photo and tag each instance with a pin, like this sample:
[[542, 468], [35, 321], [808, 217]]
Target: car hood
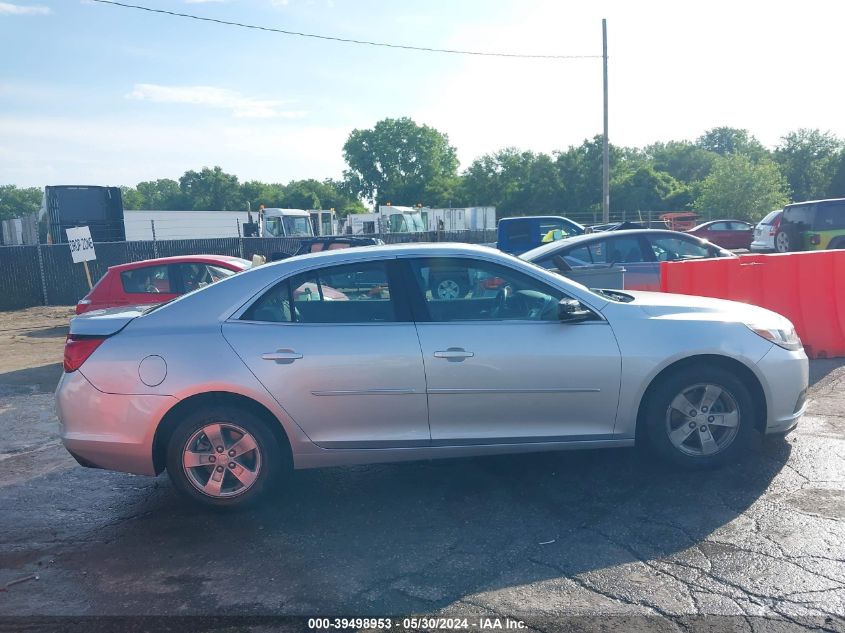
[[665, 305]]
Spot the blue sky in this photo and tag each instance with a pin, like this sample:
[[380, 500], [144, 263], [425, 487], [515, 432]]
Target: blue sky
[[93, 94]]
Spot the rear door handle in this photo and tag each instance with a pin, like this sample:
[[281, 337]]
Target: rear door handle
[[282, 356], [454, 354]]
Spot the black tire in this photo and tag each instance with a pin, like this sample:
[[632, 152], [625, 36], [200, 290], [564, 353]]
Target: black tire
[[836, 243], [661, 417], [272, 462]]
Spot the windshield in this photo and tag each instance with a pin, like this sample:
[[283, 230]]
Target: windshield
[[297, 226]]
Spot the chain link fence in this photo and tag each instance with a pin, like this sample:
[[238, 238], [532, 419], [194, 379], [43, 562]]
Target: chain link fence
[[46, 275]]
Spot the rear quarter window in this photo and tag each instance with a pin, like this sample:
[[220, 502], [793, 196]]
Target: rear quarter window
[[830, 216]]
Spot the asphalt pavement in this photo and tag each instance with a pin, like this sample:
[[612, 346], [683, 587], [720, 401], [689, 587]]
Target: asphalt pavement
[[600, 540]]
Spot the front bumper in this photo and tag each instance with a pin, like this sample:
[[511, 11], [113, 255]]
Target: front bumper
[[786, 379], [105, 430]]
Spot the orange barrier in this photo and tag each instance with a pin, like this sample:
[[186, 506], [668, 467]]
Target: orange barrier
[[806, 288]]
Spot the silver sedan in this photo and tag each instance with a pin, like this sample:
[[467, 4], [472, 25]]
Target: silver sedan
[[353, 357]]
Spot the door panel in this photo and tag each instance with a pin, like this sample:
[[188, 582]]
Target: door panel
[[340, 354], [501, 367], [355, 385], [524, 381]]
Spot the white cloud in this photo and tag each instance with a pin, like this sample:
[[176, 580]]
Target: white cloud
[[211, 97], [203, 1], [7, 8]]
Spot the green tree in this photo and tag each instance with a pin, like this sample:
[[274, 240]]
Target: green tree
[[836, 189], [740, 188], [132, 199], [162, 194], [211, 189], [647, 189], [731, 140], [16, 202], [398, 161], [809, 159], [682, 160], [580, 170]]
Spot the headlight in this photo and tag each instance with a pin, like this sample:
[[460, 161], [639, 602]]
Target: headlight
[[785, 338]]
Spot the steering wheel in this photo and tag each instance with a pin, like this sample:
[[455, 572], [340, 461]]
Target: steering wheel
[[500, 303], [548, 302]]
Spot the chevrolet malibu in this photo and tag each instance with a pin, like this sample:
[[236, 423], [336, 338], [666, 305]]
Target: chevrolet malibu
[[348, 357]]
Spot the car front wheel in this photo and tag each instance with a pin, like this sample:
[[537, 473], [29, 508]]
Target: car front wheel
[[223, 457], [700, 417]]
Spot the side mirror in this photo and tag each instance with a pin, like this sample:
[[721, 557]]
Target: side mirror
[[571, 311]]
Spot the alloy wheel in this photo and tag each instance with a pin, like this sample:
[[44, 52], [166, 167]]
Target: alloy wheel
[[782, 242], [703, 420], [221, 460], [448, 289]]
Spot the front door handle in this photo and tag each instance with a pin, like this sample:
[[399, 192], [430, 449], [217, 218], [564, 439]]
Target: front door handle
[[282, 356], [454, 354]]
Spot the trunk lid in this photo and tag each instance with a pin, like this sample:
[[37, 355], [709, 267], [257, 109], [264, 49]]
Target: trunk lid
[[105, 322]]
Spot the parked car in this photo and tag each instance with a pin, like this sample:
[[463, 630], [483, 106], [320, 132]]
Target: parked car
[[731, 234], [812, 226], [615, 226], [327, 243], [158, 280], [639, 251], [228, 387], [519, 234], [765, 231]]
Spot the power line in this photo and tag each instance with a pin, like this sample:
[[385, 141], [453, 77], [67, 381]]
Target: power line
[[256, 27]]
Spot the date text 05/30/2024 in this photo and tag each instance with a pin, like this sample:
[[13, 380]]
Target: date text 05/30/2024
[[414, 623]]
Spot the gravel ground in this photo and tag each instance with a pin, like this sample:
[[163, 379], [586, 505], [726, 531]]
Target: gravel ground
[[597, 540]]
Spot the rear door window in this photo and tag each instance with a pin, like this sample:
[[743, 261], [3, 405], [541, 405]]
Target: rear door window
[[617, 250], [830, 216], [352, 293], [147, 280], [800, 215]]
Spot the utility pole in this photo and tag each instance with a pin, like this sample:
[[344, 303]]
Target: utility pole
[[605, 175]]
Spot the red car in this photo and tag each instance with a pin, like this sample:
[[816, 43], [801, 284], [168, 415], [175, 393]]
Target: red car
[[725, 233], [158, 280]]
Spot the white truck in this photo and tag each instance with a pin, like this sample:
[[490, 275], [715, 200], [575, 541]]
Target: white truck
[[268, 222], [397, 219]]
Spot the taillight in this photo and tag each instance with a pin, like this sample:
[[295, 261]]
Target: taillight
[[78, 349], [83, 305], [815, 239]]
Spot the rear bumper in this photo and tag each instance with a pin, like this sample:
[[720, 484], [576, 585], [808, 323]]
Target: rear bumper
[[762, 246], [105, 430], [787, 376]]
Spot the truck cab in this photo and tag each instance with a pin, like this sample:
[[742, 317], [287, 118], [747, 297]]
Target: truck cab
[[520, 234], [285, 223]]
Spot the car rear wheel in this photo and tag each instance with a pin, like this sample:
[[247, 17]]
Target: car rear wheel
[[837, 243], [448, 288], [223, 457], [782, 242], [700, 417]]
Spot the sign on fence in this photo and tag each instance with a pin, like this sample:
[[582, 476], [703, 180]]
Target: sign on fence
[[81, 244], [81, 248]]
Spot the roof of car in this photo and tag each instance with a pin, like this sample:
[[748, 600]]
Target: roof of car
[[709, 222], [602, 235], [798, 204], [178, 259]]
